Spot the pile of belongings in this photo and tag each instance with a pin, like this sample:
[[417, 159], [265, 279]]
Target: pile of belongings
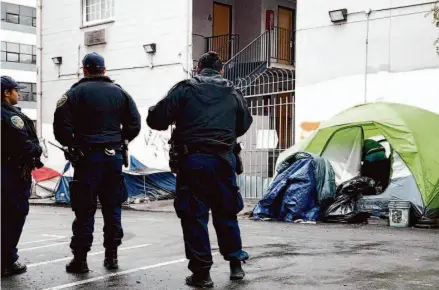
[[304, 184], [344, 208]]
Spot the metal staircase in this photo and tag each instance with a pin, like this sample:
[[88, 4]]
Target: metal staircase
[[274, 46], [226, 45], [264, 66]]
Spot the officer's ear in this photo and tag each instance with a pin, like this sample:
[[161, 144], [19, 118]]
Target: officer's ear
[[6, 93], [85, 70]]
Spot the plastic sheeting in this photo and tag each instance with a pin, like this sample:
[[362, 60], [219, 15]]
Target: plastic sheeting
[[291, 196], [348, 193], [62, 192], [141, 182], [323, 171], [149, 183]]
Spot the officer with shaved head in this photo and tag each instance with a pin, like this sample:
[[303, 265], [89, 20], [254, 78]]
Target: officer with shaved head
[[209, 114]]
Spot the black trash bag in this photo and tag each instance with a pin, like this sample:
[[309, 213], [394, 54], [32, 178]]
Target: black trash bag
[[344, 208]]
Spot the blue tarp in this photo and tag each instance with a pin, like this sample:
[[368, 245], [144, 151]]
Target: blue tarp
[[303, 182], [291, 196], [62, 192], [141, 182]]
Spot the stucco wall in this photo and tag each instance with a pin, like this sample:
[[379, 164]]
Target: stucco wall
[[402, 64]]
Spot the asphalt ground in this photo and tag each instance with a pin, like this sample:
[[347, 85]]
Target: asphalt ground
[[282, 256]]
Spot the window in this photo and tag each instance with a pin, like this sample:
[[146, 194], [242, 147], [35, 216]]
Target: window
[[95, 11], [16, 52], [29, 93], [19, 14]]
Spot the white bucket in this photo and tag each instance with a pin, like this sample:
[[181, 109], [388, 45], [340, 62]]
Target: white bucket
[[399, 213]]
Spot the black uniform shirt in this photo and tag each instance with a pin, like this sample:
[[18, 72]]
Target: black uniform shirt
[[20, 143], [95, 111], [208, 111]]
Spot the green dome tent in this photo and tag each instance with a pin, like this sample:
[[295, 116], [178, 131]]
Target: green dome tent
[[413, 135]]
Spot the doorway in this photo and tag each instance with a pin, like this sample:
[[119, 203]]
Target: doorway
[[285, 35], [222, 29]]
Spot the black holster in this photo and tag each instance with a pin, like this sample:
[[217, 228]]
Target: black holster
[[176, 154], [239, 165], [125, 153]]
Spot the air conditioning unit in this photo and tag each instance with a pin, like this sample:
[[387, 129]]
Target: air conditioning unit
[[95, 37]]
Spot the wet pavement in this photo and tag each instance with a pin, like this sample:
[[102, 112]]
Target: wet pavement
[[282, 256]]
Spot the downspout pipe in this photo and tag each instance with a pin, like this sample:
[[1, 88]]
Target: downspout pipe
[[189, 39], [367, 55], [40, 69]]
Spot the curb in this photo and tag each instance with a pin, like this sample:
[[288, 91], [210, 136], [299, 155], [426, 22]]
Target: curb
[[124, 207]]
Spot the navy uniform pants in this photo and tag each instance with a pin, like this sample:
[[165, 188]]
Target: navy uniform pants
[[97, 175], [15, 194], [207, 182]]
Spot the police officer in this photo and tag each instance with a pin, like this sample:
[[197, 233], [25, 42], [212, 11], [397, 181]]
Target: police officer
[[93, 119], [209, 114], [20, 155]]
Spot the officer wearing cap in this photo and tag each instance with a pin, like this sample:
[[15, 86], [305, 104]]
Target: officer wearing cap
[[209, 114], [20, 155], [93, 119]]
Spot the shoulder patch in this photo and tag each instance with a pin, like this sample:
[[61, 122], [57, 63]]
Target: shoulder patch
[[17, 122], [61, 101]]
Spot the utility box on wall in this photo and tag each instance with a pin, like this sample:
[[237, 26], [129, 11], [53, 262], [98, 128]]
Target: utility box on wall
[[94, 37]]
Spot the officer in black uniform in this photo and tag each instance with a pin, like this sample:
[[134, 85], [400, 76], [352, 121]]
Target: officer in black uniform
[[209, 114], [21, 153], [93, 119]]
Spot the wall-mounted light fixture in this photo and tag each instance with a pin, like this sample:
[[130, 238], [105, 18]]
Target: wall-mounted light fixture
[[57, 59], [150, 48], [339, 15]]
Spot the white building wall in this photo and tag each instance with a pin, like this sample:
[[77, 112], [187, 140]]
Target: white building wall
[[402, 64], [146, 78], [30, 3], [18, 37], [21, 75], [126, 61]]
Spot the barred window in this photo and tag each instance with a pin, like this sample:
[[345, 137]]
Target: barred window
[[16, 52], [95, 11]]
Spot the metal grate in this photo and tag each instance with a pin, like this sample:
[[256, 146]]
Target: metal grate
[[271, 81], [271, 133]]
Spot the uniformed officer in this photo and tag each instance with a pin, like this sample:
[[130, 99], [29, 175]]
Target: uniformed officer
[[93, 119], [209, 114], [20, 155]]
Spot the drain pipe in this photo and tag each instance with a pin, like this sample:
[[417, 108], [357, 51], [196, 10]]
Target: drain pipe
[[40, 69], [367, 54], [189, 39]]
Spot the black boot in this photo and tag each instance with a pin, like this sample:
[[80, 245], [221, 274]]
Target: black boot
[[78, 264], [14, 269], [110, 261], [200, 280], [236, 271]]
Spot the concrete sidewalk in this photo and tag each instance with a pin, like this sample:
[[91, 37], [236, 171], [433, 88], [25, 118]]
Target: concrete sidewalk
[[153, 206]]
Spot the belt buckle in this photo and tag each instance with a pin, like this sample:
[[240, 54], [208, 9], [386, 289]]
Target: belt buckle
[[110, 152]]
